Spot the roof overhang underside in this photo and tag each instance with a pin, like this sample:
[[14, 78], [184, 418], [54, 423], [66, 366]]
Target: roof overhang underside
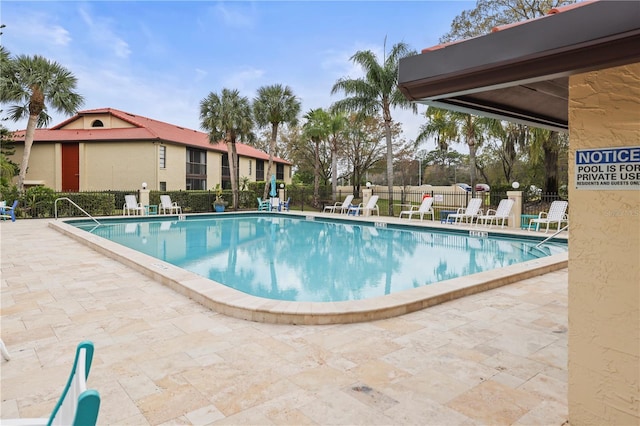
[[521, 74]]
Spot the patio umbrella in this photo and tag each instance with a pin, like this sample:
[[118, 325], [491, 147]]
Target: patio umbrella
[[273, 192]]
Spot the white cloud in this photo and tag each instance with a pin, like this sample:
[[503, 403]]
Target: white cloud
[[37, 29], [200, 74], [245, 80], [235, 15], [100, 31]]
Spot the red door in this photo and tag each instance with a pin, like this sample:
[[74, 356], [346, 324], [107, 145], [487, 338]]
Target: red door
[[70, 167]]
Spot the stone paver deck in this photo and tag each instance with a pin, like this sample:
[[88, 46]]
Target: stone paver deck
[[497, 357]]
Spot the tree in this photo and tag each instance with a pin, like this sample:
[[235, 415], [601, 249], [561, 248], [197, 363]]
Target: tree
[[227, 116], [337, 123], [317, 129], [273, 106], [34, 83], [440, 125], [376, 93], [472, 129], [363, 145], [8, 169], [513, 138], [491, 13], [546, 147]]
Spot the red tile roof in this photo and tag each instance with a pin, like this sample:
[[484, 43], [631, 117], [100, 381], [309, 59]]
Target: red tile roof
[[145, 129]]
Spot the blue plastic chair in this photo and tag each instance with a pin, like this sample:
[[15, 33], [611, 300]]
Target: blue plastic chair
[[77, 406], [10, 212], [285, 205], [264, 205]]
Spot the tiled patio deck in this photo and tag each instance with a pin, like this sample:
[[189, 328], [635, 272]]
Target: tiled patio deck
[[497, 357]]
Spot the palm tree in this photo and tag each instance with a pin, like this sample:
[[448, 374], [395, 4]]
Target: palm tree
[[439, 125], [275, 105], [227, 116], [317, 129], [337, 124], [377, 92], [472, 128], [35, 82]]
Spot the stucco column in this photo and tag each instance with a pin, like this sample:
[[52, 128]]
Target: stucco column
[[604, 254], [516, 210], [366, 196], [144, 198]]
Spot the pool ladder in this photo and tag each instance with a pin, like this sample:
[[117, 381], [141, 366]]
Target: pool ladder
[[55, 206], [548, 238]]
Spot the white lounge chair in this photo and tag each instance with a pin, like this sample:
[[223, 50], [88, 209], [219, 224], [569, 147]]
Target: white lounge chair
[[557, 214], [77, 404], [500, 214], [423, 209], [338, 206], [372, 205], [167, 206], [131, 205], [467, 214]]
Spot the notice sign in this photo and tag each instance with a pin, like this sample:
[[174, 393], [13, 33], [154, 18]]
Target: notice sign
[[608, 168]]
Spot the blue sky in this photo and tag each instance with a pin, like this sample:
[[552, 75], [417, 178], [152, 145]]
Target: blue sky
[[161, 58]]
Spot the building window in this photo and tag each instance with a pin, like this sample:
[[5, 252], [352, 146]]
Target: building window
[[259, 170], [196, 169], [163, 156], [163, 186], [97, 123], [226, 172], [280, 171], [249, 167]]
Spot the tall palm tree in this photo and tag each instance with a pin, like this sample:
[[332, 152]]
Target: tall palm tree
[[227, 116], [439, 125], [337, 124], [317, 129], [34, 83], [275, 105], [473, 129], [376, 92]]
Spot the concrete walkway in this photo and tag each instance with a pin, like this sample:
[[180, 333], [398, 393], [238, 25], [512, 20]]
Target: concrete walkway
[[495, 358]]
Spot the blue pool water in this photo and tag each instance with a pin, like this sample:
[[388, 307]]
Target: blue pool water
[[293, 258]]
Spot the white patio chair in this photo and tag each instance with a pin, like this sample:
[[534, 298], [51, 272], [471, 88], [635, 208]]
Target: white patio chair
[[500, 214], [469, 213], [166, 205], [557, 214], [423, 209], [338, 206], [372, 205], [131, 205]]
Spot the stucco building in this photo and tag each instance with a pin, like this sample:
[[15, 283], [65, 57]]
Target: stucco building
[[108, 149], [577, 70]]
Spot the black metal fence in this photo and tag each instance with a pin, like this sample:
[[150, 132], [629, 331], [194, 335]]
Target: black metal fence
[[110, 203]]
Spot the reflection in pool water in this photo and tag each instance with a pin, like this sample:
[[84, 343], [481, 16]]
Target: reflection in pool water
[[290, 258]]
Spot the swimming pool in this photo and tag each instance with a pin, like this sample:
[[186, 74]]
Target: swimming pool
[[303, 260], [235, 303]]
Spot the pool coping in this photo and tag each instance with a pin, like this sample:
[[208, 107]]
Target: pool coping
[[234, 303]]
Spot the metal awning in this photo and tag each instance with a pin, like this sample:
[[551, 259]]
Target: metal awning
[[521, 73]]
